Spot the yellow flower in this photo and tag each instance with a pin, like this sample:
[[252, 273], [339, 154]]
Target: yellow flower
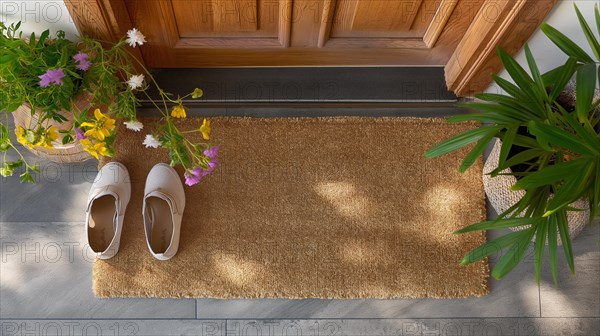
[[100, 127], [205, 129], [197, 93], [49, 135], [21, 138], [178, 112], [95, 149]]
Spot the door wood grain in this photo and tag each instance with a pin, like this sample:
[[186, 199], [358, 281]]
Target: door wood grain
[[457, 34]]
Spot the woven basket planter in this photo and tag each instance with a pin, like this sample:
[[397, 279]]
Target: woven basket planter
[[72, 152], [497, 190]]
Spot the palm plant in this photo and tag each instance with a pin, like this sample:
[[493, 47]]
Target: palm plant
[[559, 148]]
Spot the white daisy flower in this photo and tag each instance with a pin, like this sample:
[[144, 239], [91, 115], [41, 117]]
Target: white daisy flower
[[135, 81], [135, 37], [134, 125], [151, 141]]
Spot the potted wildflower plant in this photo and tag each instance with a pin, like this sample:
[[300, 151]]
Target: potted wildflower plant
[[65, 94]]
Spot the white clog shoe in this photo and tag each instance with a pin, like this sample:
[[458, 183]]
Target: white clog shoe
[[106, 206], [164, 202]]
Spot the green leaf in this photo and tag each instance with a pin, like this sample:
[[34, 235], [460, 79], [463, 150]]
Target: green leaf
[[489, 117], [585, 88], [511, 113], [518, 74], [521, 157], [43, 38], [493, 246], [14, 164], [520, 111], [563, 229], [509, 87], [35, 168], [588, 134], [565, 44], [514, 255], [527, 142], [565, 72], [67, 139], [552, 76], [552, 242], [572, 189], [550, 174], [535, 74], [73, 74], [538, 251], [12, 107], [4, 134], [475, 153], [500, 223], [461, 140], [507, 142], [26, 178], [593, 42], [597, 17], [559, 137]]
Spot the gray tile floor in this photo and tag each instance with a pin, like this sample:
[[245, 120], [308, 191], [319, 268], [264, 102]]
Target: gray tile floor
[[45, 287]]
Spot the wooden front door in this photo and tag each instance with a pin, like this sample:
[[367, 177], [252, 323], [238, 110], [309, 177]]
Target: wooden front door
[[461, 35], [200, 33]]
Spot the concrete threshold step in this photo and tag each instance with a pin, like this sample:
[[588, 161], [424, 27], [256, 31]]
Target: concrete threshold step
[[310, 86]]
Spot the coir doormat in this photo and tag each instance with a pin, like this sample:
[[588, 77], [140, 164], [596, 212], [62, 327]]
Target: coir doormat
[[344, 207]]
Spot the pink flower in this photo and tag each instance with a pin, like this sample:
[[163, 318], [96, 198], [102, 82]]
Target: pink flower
[[84, 65], [212, 152], [194, 176], [54, 76], [81, 56], [82, 60], [79, 134], [212, 165]]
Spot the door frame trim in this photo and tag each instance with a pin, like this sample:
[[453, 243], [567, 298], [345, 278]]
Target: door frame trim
[[467, 71]]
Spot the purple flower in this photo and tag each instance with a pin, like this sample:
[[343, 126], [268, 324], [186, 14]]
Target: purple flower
[[52, 76], [196, 175], [211, 165], [79, 134], [212, 152], [82, 59], [84, 65]]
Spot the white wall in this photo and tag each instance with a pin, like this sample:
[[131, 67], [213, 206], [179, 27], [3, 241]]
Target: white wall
[[546, 54], [37, 16]]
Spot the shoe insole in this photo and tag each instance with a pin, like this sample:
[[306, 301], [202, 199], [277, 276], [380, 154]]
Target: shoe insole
[[162, 224], [101, 227]]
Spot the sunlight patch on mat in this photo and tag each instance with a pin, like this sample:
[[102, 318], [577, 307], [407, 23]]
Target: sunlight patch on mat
[[344, 197], [239, 272], [356, 252], [443, 200]]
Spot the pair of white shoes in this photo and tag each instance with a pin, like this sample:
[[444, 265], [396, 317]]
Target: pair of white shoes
[[164, 202]]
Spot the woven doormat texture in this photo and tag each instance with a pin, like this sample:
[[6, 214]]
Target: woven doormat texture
[[344, 207]]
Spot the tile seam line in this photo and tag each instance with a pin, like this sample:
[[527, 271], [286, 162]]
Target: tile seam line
[[289, 318]]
